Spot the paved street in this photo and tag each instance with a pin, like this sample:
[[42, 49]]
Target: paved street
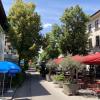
[[34, 88]]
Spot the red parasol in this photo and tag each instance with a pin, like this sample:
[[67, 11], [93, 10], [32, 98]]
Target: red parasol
[[58, 60], [78, 58], [92, 58]]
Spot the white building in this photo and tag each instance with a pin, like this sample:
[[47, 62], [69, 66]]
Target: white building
[[93, 27]]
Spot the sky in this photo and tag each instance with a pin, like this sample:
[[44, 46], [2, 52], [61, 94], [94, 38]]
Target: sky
[[52, 10]]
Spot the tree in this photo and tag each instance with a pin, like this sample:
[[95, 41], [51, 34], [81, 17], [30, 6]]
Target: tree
[[50, 66], [25, 25], [51, 42], [68, 64], [74, 40]]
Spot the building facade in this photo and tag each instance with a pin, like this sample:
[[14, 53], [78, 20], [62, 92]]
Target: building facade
[[2, 44], [3, 29], [7, 52], [93, 28]]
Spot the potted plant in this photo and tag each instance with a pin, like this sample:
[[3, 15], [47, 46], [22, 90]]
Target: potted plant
[[55, 79], [70, 86], [59, 79], [50, 66]]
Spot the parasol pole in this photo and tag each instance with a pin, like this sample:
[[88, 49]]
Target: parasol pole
[[10, 90], [10, 82], [3, 85]]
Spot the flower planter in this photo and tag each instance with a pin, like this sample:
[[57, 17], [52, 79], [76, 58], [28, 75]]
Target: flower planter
[[70, 89], [55, 81]]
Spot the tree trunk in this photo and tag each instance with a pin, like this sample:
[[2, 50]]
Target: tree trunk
[[72, 75], [76, 76], [49, 76]]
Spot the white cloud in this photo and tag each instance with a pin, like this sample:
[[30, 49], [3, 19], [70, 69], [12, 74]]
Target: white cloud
[[47, 25]]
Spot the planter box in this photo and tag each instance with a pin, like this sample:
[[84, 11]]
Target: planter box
[[60, 84], [70, 89]]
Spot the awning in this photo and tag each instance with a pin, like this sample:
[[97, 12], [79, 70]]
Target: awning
[[88, 59], [94, 62], [92, 59]]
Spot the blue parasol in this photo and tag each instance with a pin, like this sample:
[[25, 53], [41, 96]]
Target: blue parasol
[[8, 67], [3, 67]]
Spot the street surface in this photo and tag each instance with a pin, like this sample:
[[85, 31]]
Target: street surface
[[35, 88]]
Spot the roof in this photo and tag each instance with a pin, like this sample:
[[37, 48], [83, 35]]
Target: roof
[[95, 13], [3, 18]]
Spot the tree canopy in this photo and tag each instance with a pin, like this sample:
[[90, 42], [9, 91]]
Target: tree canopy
[[74, 40], [70, 37], [51, 42], [25, 25]]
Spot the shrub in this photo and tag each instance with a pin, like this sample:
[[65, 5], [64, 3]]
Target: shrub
[[68, 64], [59, 77], [50, 65], [71, 66]]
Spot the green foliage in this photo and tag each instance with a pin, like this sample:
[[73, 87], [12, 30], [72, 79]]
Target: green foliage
[[60, 77], [70, 37], [70, 65], [43, 56], [24, 29], [1, 30], [69, 80], [74, 39], [50, 65], [51, 42]]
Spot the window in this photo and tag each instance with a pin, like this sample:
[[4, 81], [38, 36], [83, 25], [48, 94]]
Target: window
[[96, 24], [89, 28], [97, 41], [90, 43]]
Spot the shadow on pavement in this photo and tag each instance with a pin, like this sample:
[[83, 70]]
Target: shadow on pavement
[[31, 87]]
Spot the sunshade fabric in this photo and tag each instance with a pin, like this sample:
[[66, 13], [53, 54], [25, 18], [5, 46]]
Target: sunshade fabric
[[58, 60], [78, 58], [91, 59], [9, 67], [95, 62], [88, 59], [4, 68]]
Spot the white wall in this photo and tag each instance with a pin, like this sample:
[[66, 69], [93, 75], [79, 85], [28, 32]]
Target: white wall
[[94, 32]]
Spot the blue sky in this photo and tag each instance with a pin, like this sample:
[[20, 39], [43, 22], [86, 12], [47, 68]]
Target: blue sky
[[52, 10]]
